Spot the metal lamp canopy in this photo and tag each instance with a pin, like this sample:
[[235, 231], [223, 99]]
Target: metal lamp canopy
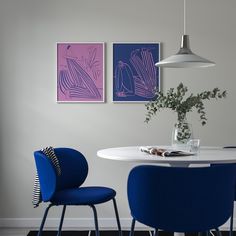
[[185, 58]]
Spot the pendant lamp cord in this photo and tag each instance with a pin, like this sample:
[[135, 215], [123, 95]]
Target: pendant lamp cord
[[184, 17]]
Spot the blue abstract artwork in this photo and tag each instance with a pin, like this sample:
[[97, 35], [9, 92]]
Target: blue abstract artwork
[[135, 76]]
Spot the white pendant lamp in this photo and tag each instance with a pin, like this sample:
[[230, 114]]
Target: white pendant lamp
[[185, 58]]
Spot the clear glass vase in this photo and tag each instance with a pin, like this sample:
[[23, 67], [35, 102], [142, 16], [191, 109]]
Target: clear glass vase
[[181, 134]]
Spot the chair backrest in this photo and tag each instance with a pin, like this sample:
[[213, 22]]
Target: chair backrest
[[181, 199], [74, 170]]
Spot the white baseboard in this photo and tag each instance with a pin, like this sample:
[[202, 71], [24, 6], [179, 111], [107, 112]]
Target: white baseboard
[[78, 223], [69, 223]]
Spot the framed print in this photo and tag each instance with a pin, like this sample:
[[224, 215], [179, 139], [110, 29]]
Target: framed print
[[80, 72], [135, 76]]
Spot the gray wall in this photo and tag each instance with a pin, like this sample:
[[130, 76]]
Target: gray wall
[[30, 118]]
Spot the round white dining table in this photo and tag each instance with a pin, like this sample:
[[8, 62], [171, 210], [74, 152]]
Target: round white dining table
[[206, 155]]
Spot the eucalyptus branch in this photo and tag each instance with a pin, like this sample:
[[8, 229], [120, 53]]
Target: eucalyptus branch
[[177, 101]]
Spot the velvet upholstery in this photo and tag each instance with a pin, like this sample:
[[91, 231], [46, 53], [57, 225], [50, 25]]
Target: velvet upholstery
[[181, 199]]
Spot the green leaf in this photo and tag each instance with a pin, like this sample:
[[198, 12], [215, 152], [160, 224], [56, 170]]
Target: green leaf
[[178, 101]]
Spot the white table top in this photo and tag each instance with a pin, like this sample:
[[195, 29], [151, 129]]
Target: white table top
[[206, 155]]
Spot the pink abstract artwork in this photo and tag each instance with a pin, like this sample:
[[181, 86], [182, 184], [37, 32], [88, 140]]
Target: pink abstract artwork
[[80, 72]]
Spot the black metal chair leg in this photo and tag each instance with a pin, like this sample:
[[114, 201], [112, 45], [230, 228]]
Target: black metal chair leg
[[218, 232], [131, 233], [231, 223], [61, 221], [95, 220], [43, 220], [156, 232], [117, 217]]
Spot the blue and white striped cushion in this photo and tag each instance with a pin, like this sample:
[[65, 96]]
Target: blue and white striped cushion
[[49, 152]]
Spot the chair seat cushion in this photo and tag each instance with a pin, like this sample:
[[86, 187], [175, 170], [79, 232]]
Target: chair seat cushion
[[83, 196]]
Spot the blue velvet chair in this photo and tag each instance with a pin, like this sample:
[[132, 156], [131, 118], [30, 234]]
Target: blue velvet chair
[[66, 189], [181, 199], [232, 216]]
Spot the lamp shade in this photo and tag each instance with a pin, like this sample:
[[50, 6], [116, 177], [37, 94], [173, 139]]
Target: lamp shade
[[185, 58]]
